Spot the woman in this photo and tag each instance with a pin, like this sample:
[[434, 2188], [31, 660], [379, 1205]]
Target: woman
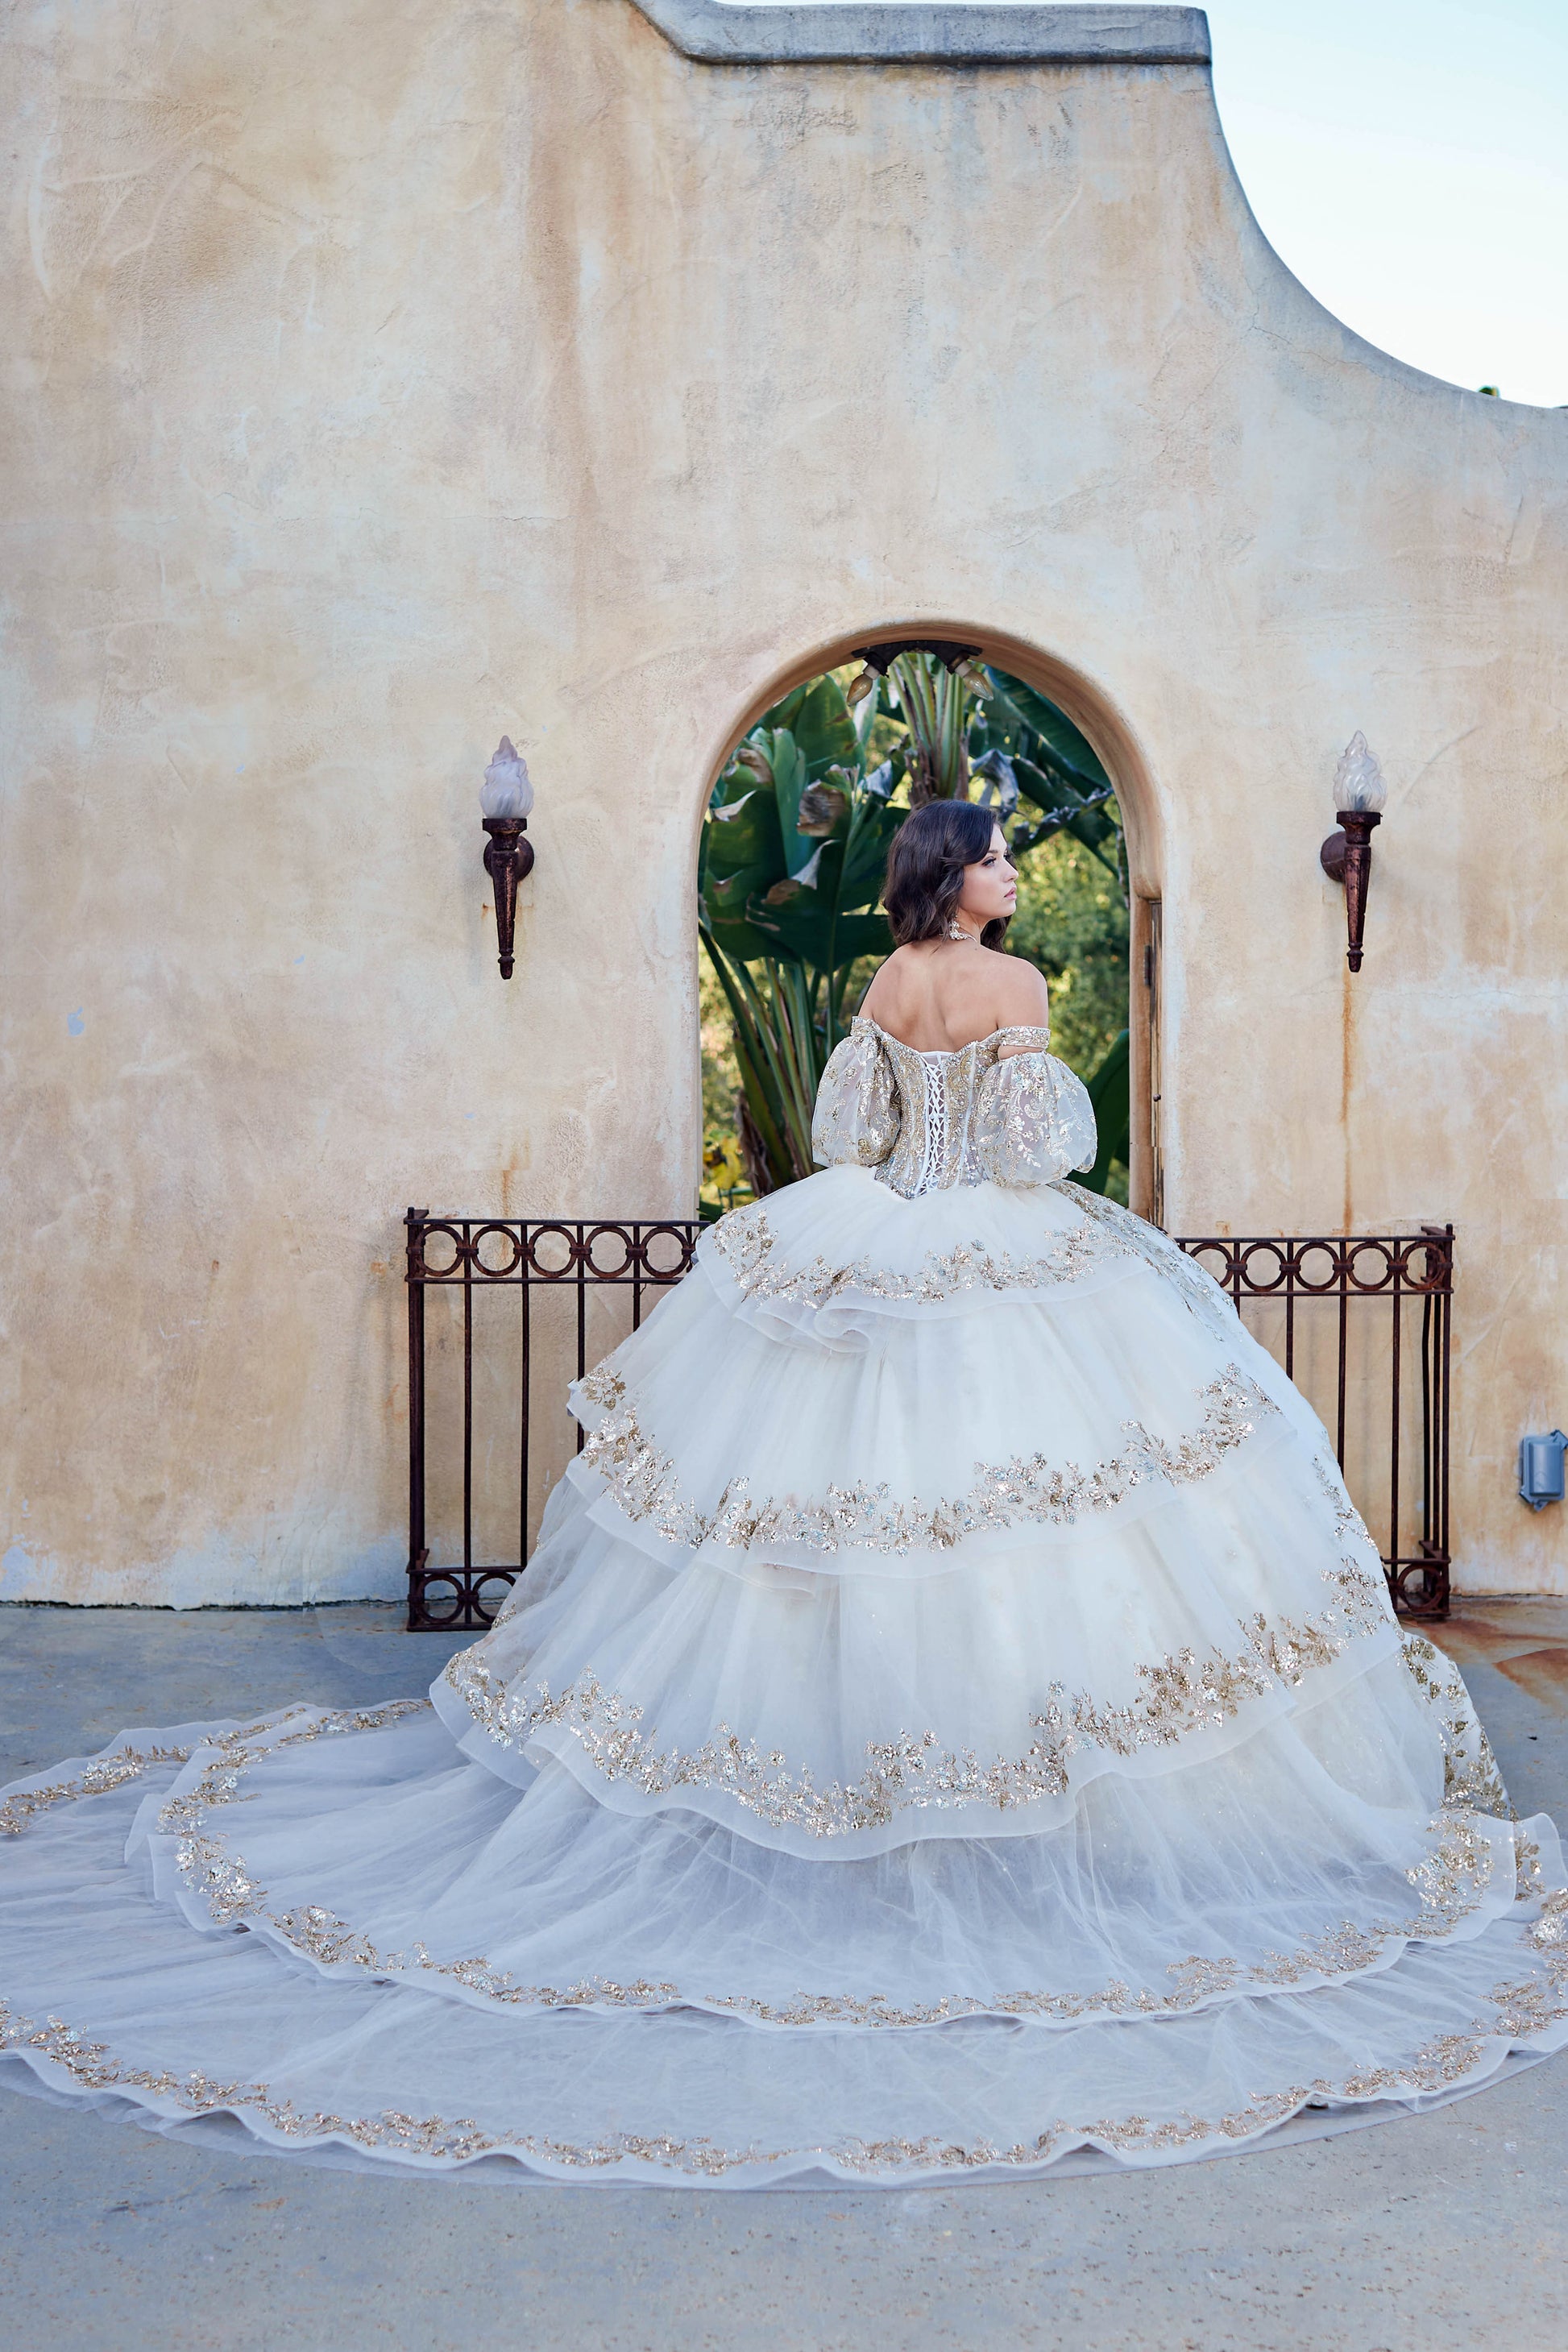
[[953, 1722]]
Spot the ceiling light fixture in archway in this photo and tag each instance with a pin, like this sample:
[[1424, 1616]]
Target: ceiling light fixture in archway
[[878, 659]]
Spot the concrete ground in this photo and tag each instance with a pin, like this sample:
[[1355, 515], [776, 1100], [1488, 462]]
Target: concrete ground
[[1430, 2234]]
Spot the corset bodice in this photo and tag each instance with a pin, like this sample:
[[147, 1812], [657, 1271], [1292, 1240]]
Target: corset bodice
[[927, 1122], [938, 1098]]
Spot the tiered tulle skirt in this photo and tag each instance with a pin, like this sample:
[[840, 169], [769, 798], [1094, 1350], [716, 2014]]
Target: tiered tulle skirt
[[952, 1724]]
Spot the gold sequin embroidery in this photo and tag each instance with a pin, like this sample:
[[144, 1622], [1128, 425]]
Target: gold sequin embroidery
[[1027, 1491], [200, 1858], [747, 1244], [1470, 1774], [1196, 1287], [1451, 1882], [970, 1118], [1552, 1927], [1177, 1695], [105, 1773], [96, 1780], [857, 1117], [1518, 2012]]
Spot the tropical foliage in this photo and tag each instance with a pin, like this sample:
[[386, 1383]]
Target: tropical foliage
[[794, 853]]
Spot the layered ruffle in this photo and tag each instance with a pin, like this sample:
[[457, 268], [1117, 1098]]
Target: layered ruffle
[[365, 1842], [953, 1723], [310, 2036], [833, 1261], [841, 1714]]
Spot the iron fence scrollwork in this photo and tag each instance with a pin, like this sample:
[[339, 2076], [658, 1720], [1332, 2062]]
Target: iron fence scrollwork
[[477, 1254], [588, 1256]]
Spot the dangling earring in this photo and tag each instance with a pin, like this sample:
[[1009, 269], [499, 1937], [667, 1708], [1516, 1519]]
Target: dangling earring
[[957, 931]]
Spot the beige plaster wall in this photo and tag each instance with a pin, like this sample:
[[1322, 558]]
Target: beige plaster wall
[[382, 378]]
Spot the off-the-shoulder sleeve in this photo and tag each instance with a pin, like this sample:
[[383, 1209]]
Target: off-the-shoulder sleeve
[[856, 1116], [1033, 1120]]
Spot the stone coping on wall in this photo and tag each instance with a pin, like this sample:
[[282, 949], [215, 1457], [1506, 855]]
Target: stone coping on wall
[[936, 32]]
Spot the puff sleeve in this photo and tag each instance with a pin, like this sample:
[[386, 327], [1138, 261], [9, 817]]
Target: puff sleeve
[[1033, 1120], [857, 1117]]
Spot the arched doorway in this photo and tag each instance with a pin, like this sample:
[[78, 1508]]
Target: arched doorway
[[793, 845]]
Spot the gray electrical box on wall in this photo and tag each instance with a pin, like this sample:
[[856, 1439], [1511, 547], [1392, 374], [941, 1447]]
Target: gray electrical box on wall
[[1541, 1469]]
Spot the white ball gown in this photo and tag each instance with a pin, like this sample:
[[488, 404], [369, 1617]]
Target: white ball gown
[[953, 1725]]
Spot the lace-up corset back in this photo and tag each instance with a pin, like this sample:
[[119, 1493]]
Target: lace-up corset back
[[925, 1122], [938, 1099]]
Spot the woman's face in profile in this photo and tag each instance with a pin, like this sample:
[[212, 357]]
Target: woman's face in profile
[[990, 891]]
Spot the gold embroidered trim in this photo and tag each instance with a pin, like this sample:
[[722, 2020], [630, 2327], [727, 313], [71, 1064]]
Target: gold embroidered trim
[[1198, 1289], [1470, 1774], [1518, 2013], [1552, 1927], [104, 1774], [1451, 1882], [1178, 1695], [1521, 2010], [1025, 1492], [746, 1243], [200, 1859]]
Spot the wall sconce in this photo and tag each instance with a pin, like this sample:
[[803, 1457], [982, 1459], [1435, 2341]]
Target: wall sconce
[[1541, 1469], [1360, 796], [506, 798]]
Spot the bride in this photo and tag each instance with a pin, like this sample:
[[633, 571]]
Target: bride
[[953, 1723]]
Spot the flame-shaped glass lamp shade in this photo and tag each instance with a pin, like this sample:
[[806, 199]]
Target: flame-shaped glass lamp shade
[[1358, 780], [506, 791]]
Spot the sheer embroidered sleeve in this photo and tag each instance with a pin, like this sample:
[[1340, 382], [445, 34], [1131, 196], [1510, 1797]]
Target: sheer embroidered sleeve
[[1033, 1120], [857, 1119]]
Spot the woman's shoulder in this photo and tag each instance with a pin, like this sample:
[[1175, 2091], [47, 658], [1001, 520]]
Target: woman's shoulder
[[1019, 991], [887, 983], [979, 991]]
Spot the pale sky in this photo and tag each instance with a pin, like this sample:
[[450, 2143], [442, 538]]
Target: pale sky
[[1408, 160]]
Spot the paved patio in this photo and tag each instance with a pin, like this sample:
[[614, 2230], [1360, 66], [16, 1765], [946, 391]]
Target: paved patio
[[1446, 2230]]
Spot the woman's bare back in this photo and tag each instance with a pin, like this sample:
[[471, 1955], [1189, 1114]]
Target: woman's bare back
[[938, 995]]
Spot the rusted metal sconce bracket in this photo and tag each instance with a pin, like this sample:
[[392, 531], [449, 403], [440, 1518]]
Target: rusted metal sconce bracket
[[1346, 856], [509, 857], [1359, 793]]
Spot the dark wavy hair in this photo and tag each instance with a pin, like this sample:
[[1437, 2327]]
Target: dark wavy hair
[[925, 870]]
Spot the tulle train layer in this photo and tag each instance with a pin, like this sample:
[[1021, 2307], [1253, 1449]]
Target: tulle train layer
[[953, 1724], [112, 1998]]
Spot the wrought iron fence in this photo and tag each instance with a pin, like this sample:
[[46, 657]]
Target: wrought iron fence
[[1314, 1296], [1412, 1275]]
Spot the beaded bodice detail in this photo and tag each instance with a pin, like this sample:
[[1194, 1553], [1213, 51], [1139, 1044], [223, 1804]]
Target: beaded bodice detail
[[938, 1099], [926, 1121]]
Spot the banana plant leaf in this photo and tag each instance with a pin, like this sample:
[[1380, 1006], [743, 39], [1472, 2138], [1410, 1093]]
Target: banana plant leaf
[[824, 730], [1070, 751], [865, 864], [790, 781], [813, 933], [744, 836], [724, 904], [1108, 1091], [784, 713]]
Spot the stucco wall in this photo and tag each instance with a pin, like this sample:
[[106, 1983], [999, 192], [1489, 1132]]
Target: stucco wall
[[381, 379]]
